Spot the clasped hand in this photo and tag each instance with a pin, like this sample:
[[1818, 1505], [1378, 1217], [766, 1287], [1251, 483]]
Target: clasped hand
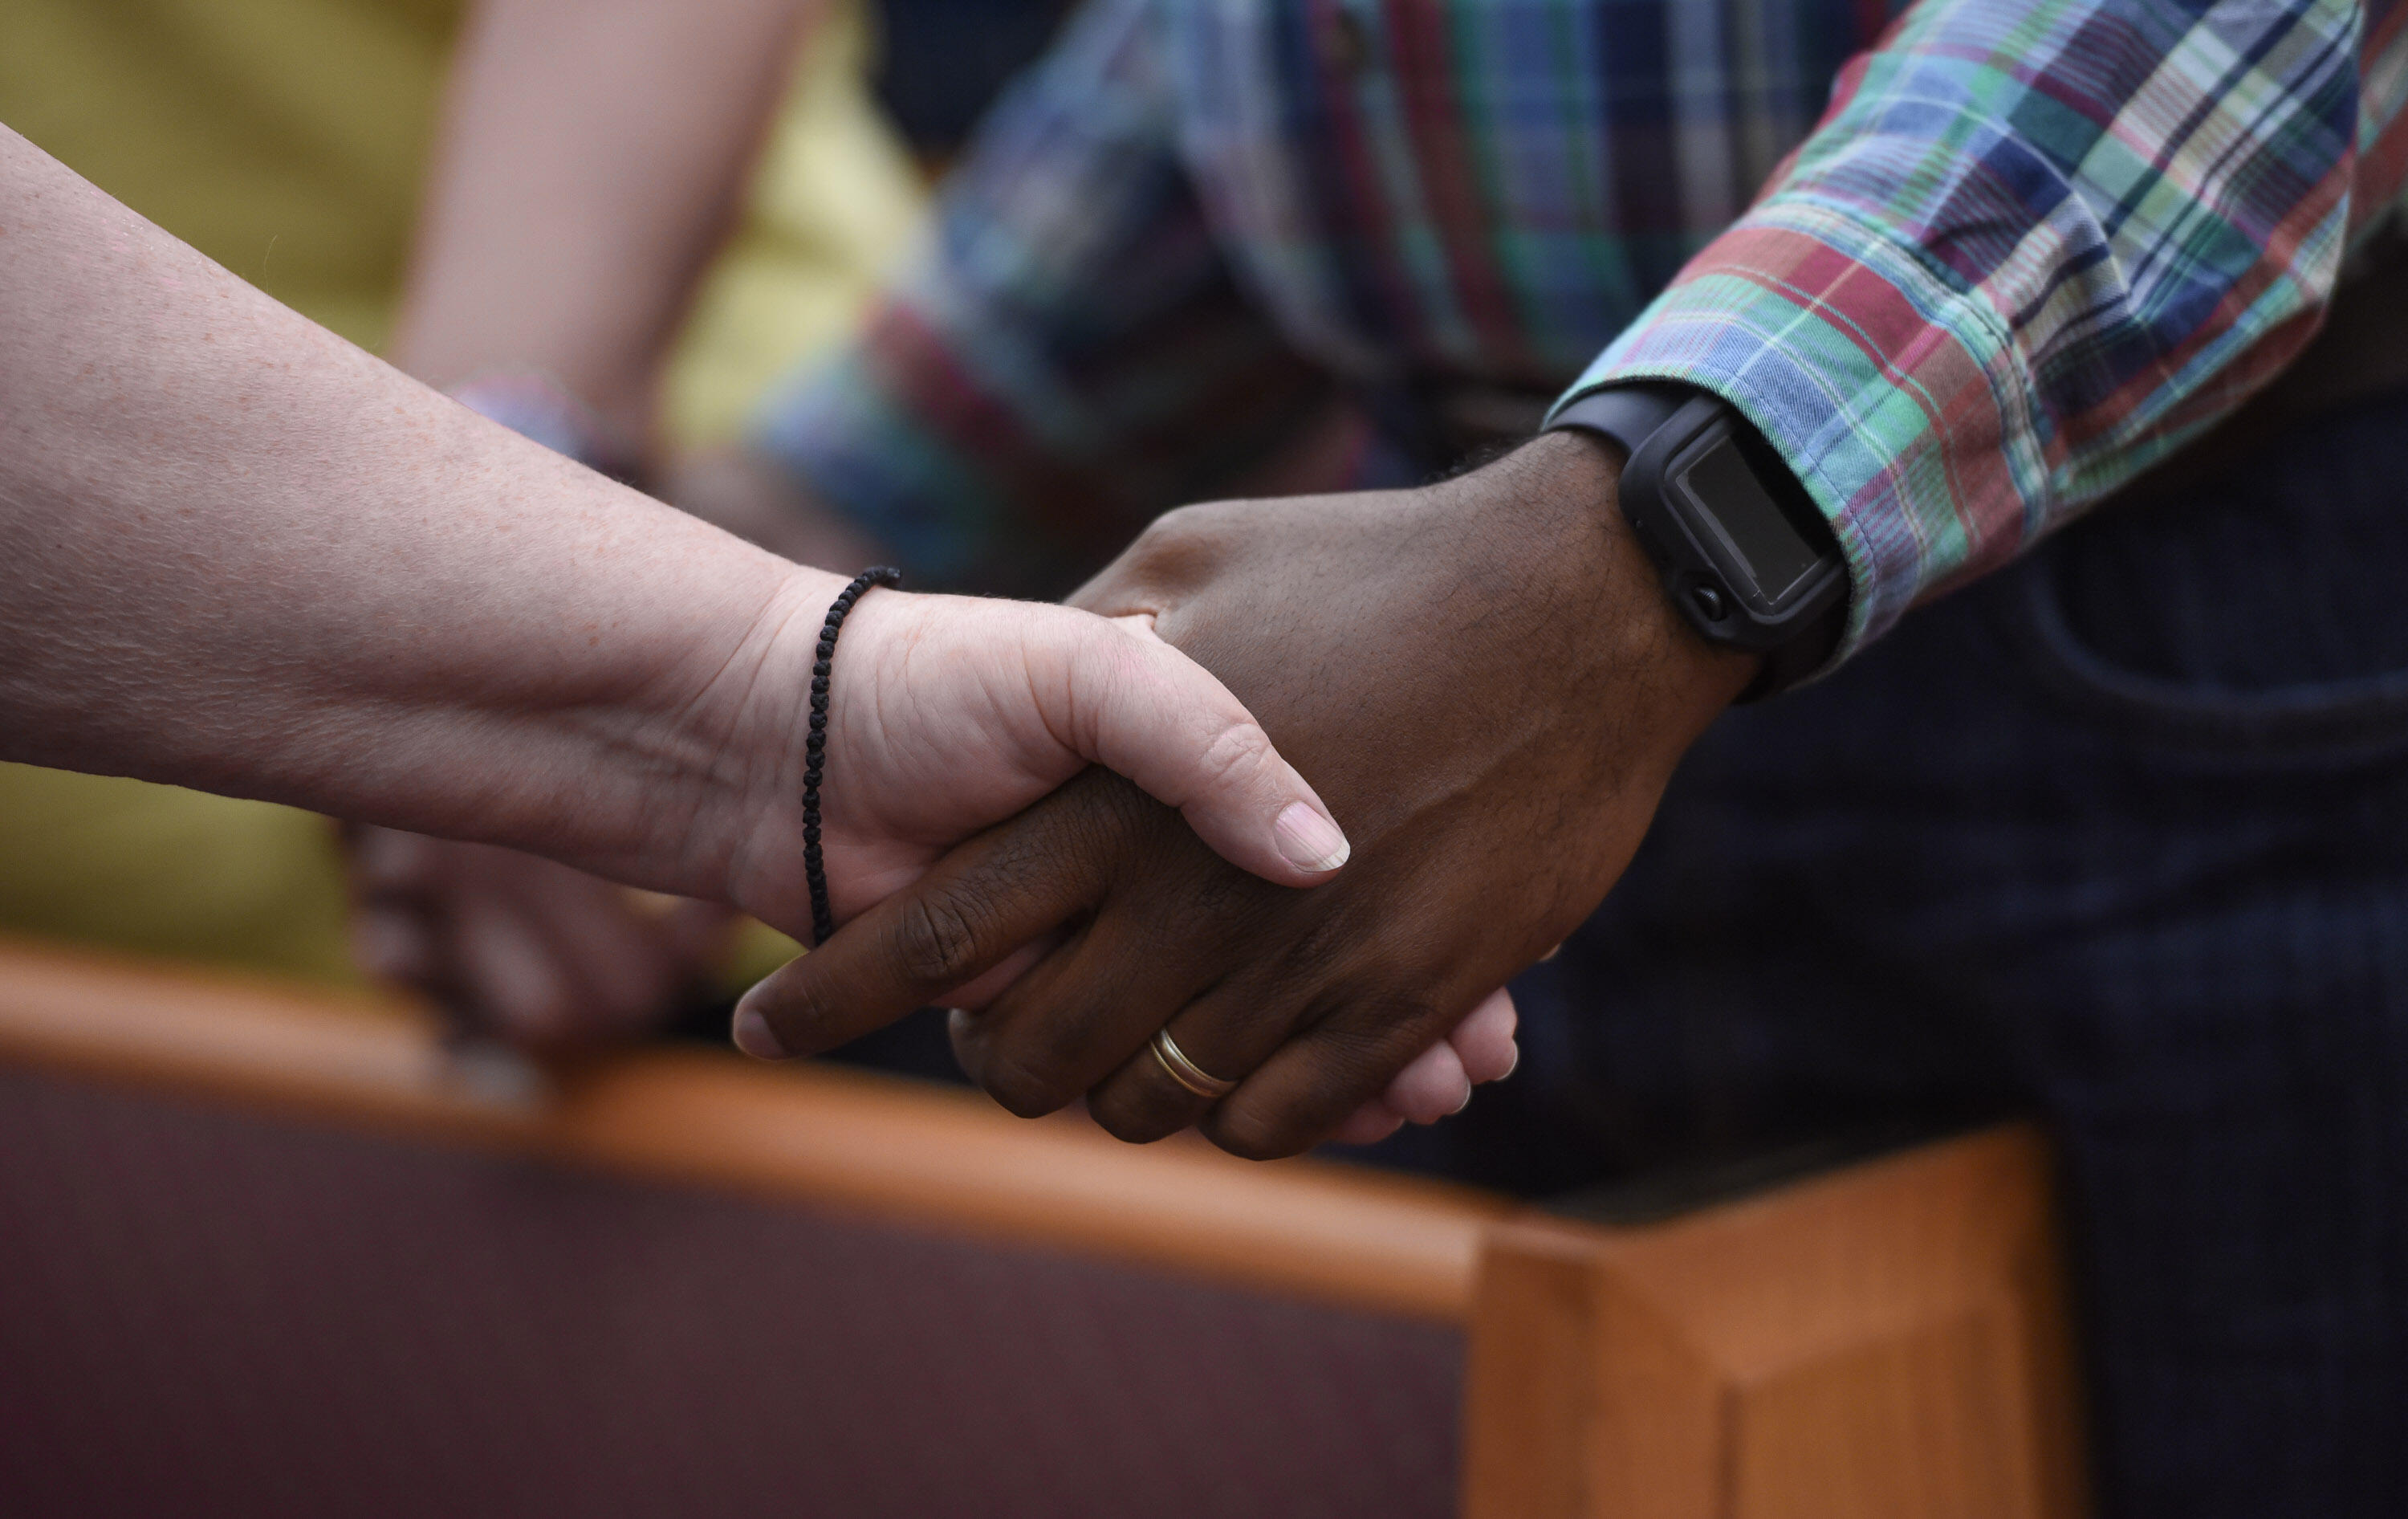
[[1491, 691], [953, 713]]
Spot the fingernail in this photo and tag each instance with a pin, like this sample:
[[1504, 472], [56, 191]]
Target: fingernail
[[753, 1036], [1465, 1103], [1516, 1064], [1309, 840]]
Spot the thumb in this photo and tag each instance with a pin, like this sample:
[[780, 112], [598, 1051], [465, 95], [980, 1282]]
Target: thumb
[[1141, 708]]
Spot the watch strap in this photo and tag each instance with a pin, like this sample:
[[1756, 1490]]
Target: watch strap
[[1626, 414], [1801, 658]]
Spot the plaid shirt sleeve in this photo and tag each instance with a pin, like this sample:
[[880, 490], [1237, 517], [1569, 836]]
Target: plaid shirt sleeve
[[1071, 355], [2031, 249]]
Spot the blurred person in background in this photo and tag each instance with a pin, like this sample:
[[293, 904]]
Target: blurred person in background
[[639, 211]]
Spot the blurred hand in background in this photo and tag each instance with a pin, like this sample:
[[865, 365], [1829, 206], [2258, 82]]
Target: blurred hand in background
[[538, 954]]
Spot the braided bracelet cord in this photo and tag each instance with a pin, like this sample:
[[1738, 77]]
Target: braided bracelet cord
[[815, 746]]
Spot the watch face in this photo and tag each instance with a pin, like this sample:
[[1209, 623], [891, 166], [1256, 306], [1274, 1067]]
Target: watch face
[[1775, 554]]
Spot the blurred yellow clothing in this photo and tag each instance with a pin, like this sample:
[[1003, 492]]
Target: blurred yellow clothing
[[287, 140], [284, 138], [159, 870], [835, 202]]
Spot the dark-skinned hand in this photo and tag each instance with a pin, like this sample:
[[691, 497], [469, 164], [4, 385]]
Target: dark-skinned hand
[[754, 499], [1484, 680]]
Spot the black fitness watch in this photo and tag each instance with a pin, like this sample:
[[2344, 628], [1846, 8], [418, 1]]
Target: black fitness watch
[[1744, 555]]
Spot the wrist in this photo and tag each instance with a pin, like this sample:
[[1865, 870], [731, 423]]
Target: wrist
[[1683, 681], [745, 734], [1741, 549], [682, 770]]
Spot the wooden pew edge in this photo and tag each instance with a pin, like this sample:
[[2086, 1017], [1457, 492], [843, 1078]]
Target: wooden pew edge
[[938, 1160], [1616, 1370]]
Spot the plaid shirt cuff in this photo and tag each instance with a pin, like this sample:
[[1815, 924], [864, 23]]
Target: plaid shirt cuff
[[1898, 397]]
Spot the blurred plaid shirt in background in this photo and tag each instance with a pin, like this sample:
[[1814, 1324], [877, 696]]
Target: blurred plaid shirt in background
[[2030, 247]]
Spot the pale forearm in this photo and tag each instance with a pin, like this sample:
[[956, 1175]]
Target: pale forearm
[[239, 553], [593, 154]]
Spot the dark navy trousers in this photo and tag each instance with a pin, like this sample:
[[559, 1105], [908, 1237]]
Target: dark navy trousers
[[2117, 838]]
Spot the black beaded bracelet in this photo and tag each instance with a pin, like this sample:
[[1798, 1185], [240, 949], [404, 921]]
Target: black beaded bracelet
[[815, 746]]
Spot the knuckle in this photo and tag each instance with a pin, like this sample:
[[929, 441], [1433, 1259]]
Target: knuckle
[[1360, 1052], [796, 1013], [1110, 828], [1022, 1087], [1101, 812], [1329, 935], [1178, 527], [1400, 1011], [938, 940], [1251, 1133], [1071, 1037], [1181, 545], [1236, 755], [1245, 908], [1132, 1120], [1353, 1058]]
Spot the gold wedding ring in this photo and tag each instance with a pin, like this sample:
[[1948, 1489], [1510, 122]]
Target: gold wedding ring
[[1186, 1072]]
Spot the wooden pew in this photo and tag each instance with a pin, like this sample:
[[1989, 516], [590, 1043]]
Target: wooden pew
[[1888, 1340], [267, 1253]]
